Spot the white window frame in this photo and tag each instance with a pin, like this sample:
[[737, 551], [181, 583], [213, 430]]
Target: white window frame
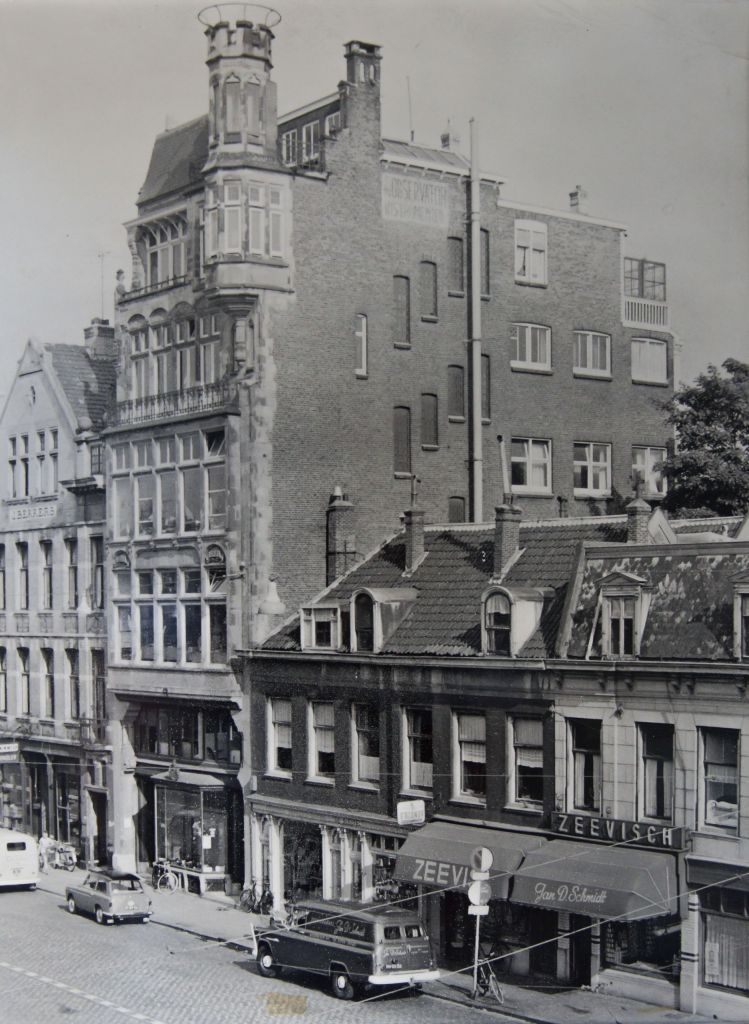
[[233, 229], [362, 345], [571, 780], [256, 204], [311, 615], [312, 743], [357, 777], [513, 800], [705, 814], [646, 367], [289, 148], [488, 607], [310, 141], [531, 252], [275, 222], [593, 465], [418, 786], [272, 766], [522, 339], [587, 348], [458, 791], [613, 599], [531, 460], [332, 122], [642, 781], [650, 482]]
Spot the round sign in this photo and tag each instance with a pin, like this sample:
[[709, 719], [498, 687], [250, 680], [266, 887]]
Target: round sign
[[479, 893], [482, 858]]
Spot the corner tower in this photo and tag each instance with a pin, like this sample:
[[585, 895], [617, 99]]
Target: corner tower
[[242, 97]]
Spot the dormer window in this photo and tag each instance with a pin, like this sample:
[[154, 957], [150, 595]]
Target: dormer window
[[364, 622], [321, 628], [741, 616], [497, 622], [620, 620]]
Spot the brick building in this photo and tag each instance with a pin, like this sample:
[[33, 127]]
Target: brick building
[[569, 694], [300, 353], [55, 763]]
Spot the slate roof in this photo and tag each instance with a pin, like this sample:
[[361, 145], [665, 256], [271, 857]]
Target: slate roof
[[410, 153], [177, 159], [691, 605], [445, 619], [89, 384]]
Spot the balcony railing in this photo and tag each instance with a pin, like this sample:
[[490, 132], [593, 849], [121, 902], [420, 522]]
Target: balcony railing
[[157, 286], [202, 398], [645, 313]]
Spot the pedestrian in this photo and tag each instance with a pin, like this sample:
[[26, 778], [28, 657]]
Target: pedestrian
[[44, 845]]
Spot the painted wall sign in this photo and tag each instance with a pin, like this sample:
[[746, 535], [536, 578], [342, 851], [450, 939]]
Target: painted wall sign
[[411, 812], [415, 200], [614, 830], [42, 510], [9, 752]]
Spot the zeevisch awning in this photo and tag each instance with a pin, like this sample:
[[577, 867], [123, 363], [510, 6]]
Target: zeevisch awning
[[598, 881], [439, 855]]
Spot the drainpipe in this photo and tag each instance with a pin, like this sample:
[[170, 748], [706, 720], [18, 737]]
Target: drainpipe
[[477, 461]]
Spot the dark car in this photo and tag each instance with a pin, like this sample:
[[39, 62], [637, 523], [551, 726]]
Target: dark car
[[110, 896], [354, 946]]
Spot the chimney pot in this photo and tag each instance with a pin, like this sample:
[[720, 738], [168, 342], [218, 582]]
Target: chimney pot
[[413, 521], [638, 517], [507, 519]]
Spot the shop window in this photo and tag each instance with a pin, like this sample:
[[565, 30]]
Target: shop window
[[469, 756], [402, 441], [657, 779], [527, 767], [720, 778], [585, 737], [725, 938], [302, 859], [651, 945], [497, 624], [365, 763], [322, 741], [401, 311], [417, 754], [279, 736]]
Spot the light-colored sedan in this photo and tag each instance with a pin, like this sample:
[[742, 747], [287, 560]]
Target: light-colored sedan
[[110, 896]]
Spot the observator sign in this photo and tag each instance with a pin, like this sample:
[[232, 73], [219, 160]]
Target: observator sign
[[415, 200]]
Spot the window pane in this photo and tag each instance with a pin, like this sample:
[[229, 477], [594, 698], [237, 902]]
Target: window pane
[[455, 391], [193, 630], [401, 440], [168, 497], [192, 490], [428, 289], [429, 435], [146, 632], [169, 632], [455, 264], [217, 627], [402, 311]]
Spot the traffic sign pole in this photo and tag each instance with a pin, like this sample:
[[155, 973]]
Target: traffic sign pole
[[479, 893]]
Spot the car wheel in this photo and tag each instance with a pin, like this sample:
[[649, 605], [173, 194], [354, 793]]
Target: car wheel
[[99, 915], [72, 909], [342, 987], [266, 963]]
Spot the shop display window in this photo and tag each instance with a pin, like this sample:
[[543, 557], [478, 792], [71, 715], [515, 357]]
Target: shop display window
[[191, 827], [725, 938], [653, 944]]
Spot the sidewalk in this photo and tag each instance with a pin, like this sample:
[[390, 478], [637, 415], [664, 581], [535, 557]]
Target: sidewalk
[[217, 918]]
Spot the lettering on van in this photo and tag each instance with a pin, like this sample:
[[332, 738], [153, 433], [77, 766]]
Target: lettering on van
[[437, 872], [349, 926]]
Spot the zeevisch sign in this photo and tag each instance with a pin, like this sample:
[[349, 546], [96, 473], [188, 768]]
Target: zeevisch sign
[[614, 830]]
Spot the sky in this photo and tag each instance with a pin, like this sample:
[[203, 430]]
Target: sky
[[644, 103]]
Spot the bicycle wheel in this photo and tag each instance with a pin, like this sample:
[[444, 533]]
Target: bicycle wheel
[[482, 980], [168, 882], [496, 989]]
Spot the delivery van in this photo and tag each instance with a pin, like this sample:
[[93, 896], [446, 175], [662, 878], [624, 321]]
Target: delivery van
[[19, 859]]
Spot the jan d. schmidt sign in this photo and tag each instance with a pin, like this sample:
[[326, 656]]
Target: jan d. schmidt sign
[[614, 830]]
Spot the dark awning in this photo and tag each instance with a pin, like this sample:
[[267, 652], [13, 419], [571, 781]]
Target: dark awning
[[702, 873], [439, 854], [598, 881]]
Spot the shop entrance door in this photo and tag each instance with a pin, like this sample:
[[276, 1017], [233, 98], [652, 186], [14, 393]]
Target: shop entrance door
[[580, 950], [99, 804]]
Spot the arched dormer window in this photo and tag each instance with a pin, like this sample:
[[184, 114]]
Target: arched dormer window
[[497, 623], [364, 622]]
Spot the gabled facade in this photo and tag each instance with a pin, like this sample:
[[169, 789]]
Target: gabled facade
[[569, 694], [55, 769]]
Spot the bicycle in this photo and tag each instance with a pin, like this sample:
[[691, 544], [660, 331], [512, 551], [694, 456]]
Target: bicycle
[[163, 878], [486, 981]]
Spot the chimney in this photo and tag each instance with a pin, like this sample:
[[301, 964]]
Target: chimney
[[100, 340], [579, 200], [413, 522], [362, 62], [359, 93], [341, 540], [638, 518], [506, 536]]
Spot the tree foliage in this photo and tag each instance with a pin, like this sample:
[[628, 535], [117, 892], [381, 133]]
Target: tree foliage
[[709, 466]]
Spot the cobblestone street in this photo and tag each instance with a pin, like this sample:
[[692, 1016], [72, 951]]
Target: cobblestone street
[[57, 967]]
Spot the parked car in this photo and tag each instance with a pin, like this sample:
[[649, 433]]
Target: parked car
[[19, 859], [110, 896], [354, 946]]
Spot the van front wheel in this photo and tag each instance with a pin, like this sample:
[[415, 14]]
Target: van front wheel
[[342, 987]]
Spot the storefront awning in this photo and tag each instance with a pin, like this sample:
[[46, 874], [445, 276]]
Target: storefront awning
[[598, 881], [704, 873], [439, 855], [196, 780]]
